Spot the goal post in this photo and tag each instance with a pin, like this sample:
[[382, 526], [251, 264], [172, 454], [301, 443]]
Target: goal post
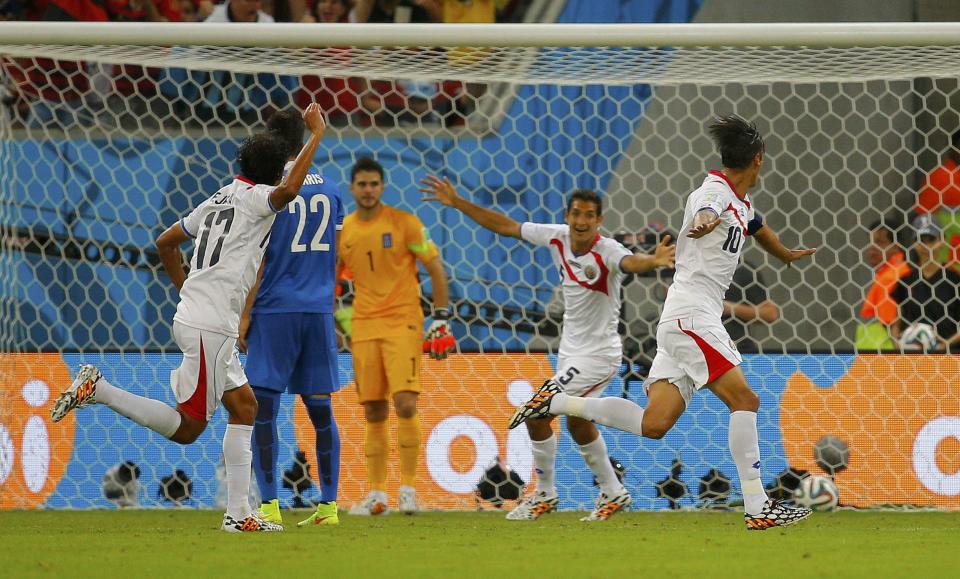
[[110, 132]]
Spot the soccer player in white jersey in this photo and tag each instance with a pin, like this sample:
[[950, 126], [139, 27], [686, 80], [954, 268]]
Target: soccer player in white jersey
[[592, 268], [693, 349], [231, 230]]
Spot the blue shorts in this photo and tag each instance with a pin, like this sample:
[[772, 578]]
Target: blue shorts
[[293, 352]]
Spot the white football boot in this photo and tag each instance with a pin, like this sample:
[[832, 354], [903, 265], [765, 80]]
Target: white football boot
[[374, 504], [534, 506], [83, 392]]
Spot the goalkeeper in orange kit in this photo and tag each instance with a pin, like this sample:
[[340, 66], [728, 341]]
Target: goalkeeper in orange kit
[[381, 246]]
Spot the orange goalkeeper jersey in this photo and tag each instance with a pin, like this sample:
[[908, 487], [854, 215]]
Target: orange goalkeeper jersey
[[382, 254]]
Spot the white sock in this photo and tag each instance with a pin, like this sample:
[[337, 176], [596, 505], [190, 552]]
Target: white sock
[[745, 448], [237, 458], [610, 411], [148, 412], [595, 455], [545, 460]]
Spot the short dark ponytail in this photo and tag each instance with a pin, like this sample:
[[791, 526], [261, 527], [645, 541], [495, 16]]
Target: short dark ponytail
[[737, 140]]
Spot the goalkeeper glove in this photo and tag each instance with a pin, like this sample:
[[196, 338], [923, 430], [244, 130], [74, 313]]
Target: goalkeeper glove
[[440, 340]]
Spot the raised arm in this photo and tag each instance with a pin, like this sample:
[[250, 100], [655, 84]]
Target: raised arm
[[434, 189], [769, 241], [290, 186], [662, 256], [168, 247]]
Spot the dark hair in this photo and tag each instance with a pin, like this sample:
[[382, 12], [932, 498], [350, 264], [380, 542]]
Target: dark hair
[[588, 196], [365, 164], [316, 6], [288, 125], [892, 225], [262, 158], [738, 141], [955, 139]]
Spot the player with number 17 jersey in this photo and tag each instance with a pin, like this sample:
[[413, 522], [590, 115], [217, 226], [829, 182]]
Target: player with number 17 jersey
[[230, 231]]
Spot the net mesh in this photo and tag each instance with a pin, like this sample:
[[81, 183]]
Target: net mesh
[[554, 65], [102, 147]]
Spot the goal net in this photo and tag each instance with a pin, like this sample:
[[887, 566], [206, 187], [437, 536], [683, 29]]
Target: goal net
[[109, 135]]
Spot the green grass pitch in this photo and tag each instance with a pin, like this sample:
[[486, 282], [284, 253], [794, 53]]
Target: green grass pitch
[[177, 544]]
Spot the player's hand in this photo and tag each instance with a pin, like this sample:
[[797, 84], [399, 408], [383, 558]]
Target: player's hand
[[704, 228], [313, 118], [796, 254], [244, 330], [665, 253], [434, 189], [440, 340]]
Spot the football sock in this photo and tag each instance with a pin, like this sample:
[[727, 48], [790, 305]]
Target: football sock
[[745, 448], [375, 449], [266, 442], [595, 455], [408, 439], [153, 414], [237, 457], [610, 411], [545, 460], [320, 410]]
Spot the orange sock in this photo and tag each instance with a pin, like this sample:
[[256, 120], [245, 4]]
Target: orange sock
[[375, 449], [408, 437]]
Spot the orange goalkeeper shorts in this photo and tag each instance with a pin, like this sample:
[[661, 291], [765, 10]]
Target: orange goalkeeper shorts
[[386, 366]]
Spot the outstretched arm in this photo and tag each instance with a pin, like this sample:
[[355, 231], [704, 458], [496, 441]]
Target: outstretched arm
[[747, 312], [663, 256], [769, 241], [705, 221], [434, 189]]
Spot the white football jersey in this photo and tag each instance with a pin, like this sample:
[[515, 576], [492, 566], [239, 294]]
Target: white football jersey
[[230, 231], [705, 266], [591, 290]]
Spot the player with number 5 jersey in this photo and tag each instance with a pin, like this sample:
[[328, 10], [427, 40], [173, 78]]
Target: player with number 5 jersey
[[288, 329], [592, 268], [230, 232]]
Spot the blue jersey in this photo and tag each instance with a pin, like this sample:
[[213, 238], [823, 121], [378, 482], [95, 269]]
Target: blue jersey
[[300, 272]]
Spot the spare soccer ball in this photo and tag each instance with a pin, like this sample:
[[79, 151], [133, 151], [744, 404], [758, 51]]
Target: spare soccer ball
[[832, 454], [919, 335], [499, 483], [818, 493]]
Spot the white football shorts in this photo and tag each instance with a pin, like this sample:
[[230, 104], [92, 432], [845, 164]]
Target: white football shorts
[[691, 353], [585, 376], [210, 367]]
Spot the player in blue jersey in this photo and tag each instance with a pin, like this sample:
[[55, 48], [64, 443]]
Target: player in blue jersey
[[288, 329]]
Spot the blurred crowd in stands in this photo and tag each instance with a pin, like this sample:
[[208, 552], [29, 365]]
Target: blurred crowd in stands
[[43, 91], [916, 262]]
